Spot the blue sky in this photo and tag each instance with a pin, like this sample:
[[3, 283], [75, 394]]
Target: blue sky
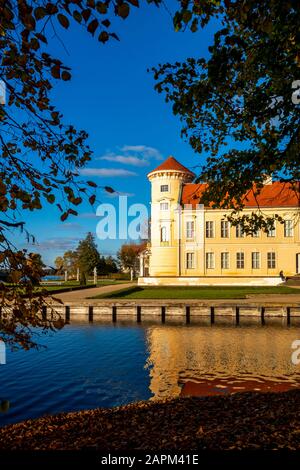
[[111, 96]]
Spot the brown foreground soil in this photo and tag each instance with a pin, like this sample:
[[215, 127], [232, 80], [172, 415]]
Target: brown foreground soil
[[247, 420]]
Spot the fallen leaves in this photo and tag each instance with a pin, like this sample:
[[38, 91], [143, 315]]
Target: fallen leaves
[[247, 420]]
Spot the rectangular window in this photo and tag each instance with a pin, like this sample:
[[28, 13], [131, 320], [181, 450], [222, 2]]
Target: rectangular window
[[209, 229], [240, 260], [224, 260], [239, 231], [190, 229], [210, 260], [271, 232], [288, 228], [164, 206], [271, 260], [255, 260], [164, 188], [164, 236], [224, 229], [190, 260], [256, 234]]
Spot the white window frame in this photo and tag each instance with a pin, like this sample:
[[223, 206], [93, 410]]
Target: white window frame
[[271, 260], [164, 186], [239, 232], [209, 229], [240, 260], [190, 229], [225, 228], [255, 260], [164, 206], [190, 260], [272, 233], [164, 234], [210, 260], [256, 234], [225, 265], [288, 228]]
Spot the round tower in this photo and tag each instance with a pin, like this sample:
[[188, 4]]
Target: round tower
[[166, 186]]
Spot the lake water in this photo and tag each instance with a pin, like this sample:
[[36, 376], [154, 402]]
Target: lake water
[[53, 278], [104, 364]]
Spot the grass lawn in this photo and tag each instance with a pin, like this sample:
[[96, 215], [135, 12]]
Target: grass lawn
[[217, 292], [71, 284]]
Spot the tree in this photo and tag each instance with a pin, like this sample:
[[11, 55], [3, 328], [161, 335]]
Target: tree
[[128, 256], [59, 264], [242, 96], [88, 257], [110, 265], [67, 262], [22, 316], [40, 154], [107, 265], [35, 260], [32, 125]]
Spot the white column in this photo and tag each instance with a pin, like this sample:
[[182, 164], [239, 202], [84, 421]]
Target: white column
[[141, 265]]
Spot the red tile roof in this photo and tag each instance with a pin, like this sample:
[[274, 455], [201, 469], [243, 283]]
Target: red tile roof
[[276, 194], [172, 164]]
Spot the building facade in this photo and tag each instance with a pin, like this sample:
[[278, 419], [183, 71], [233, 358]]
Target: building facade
[[192, 244]]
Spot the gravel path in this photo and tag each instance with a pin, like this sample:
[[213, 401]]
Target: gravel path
[[83, 294]]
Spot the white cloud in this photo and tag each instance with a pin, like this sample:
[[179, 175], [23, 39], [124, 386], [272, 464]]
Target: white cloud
[[119, 193], [107, 172], [144, 150], [88, 215], [59, 244], [126, 159], [69, 226]]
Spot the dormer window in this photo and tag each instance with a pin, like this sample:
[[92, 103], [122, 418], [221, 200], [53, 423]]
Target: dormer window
[[164, 188], [164, 206]]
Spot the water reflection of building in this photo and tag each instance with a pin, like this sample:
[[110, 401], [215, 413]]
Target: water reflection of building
[[204, 354]]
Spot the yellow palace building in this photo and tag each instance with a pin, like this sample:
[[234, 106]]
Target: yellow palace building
[[191, 244]]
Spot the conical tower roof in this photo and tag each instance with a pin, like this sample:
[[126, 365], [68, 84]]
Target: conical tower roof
[[171, 164]]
